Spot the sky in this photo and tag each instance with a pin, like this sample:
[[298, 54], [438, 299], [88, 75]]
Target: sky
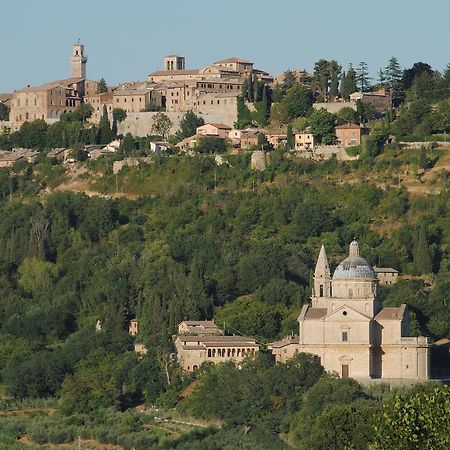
[[126, 40]]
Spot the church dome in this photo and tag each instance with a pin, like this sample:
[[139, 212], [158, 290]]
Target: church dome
[[354, 266]]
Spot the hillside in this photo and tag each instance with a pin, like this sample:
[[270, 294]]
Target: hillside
[[184, 237]]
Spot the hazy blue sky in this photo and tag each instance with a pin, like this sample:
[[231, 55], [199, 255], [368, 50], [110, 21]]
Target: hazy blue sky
[[126, 40]]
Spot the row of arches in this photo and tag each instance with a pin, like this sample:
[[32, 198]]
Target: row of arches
[[230, 352]]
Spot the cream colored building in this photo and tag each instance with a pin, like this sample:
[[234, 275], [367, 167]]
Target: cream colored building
[[192, 351], [199, 328], [219, 130], [304, 140], [386, 275], [78, 61], [348, 330], [133, 328], [48, 101]]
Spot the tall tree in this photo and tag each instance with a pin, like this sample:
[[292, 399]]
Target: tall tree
[[335, 76], [161, 125], [322, 125], [381, 77], [290, 142], [322, 78], [189, 124], [348, 83], [362, 77], [297, 101], [102, 86], [105, 132], [422, 258], [393, 74]]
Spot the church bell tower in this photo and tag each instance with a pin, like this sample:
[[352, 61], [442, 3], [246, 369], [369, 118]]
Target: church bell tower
[[322, 276], [78, 61]]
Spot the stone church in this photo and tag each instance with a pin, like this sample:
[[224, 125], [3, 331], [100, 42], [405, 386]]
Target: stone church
[[346, 327]]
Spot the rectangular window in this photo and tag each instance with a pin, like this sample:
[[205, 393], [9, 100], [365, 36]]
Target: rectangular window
[[344, 336], [345, 371]]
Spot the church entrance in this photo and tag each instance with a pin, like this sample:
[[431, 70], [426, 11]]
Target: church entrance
[[345, 371]]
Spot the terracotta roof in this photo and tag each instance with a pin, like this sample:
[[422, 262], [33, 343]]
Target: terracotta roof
[[214, 341], [349, 126], [131, 92], [391, 313], [232, 60], [175, 72], [205, 323], [220, 126], [384, 270], [316, 313], [288, 340]]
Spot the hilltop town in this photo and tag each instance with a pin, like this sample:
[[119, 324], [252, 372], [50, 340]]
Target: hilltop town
[[224, 258], [230, 100]]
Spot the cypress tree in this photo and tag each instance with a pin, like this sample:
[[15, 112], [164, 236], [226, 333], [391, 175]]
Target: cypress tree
[[105, 134], [422, 259], [256, 89], [114, 126], [250, 94], [266, 104], [290, 138]]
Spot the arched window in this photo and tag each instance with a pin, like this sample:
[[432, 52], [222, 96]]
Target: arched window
[[350, 293], [321, 290]]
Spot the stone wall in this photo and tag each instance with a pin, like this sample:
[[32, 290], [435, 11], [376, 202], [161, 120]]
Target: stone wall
[[335, 107], [140, 124], [325, 152]]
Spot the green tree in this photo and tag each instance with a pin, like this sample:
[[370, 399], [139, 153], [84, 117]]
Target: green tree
[[189, 124], [362, 77], [297, 101], [161, 125], [393, 75], [105, 133], [422, 259], [322, 125], [335, 76], [348, 83], [420, 421], [36, 276], [102, 87], [211, 144], [290, 144]]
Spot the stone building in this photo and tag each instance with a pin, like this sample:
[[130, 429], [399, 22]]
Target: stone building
[[386, 275], [347, 328], [380, 100], [48, 101], [304, 140], [78, 61], [199, 328], [133, 328], [192, 351], [200, 341], [218, 130], [350, 134]]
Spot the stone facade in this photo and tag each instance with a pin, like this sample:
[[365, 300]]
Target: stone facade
[[133, 328], [350, 134], [386, 275], [204, 343], [304, 140], [346, 327], [219, 130], [199, 328], [78, 61]]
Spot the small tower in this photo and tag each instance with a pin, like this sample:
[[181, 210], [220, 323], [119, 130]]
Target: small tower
[[78, 61], [322, 276], [174, 62]]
